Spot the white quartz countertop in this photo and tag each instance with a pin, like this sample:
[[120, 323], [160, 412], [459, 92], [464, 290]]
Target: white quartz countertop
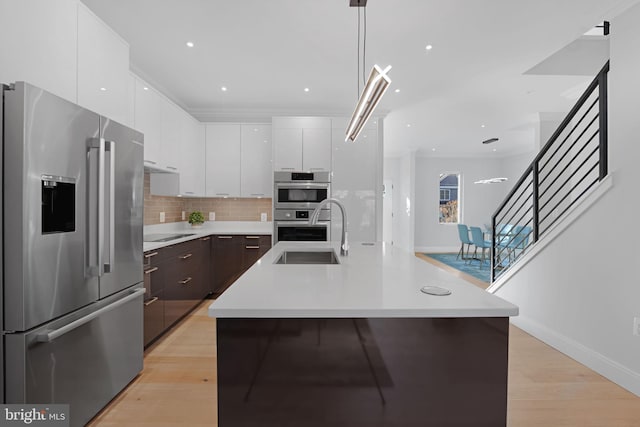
[[372, 281], [208, 228]]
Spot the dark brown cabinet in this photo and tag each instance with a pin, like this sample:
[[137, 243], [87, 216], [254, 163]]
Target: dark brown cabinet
[[178, 277], [226, 260], [254, 248], [232, 255], [153, 297]]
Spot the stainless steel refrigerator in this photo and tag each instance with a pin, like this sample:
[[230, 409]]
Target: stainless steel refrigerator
[[72, 288]]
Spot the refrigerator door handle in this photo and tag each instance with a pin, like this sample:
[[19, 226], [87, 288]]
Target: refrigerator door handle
[[111, 148], [52, 335], [99, 144]]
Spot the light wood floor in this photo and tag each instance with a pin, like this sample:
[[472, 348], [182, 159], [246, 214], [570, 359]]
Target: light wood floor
[[546, 388]]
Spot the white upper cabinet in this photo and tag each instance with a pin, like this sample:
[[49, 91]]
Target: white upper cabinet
[[256, 167], [103, 67], [287, 146], [172, 135], [223, 160], [148, 120], [302, 143], [39, 44], [316, 149], [187, 148]]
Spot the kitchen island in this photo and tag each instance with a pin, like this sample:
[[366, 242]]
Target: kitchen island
[[358, 344]]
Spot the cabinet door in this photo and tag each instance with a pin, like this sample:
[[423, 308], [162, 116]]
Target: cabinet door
[[253, 249], [148, 120], [287, 144], [153, 317], [226, 258], [192, 168], [172, 138], [223, 160], [316, 149], [103, 67], [256, 166]]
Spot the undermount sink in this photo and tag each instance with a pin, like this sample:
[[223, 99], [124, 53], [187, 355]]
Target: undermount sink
[[308, 257], [165, 237]]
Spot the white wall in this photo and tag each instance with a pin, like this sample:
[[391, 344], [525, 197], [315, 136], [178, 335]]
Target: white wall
[[581, 292], [39, 44], [478, 201], [401, 171]]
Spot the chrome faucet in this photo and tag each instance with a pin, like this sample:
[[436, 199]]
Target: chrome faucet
[[344, 245]]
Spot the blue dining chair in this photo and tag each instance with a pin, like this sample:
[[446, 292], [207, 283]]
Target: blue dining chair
[[463, 233], [477, 238]]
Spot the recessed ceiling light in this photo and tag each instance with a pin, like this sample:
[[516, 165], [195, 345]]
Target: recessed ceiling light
[[364, 136], [306, 89], [481, 126], [433, 149], [145, 88], [408, 125], [103, 89], [429, 47], [495, 149], [223, 88], [397, 90], [255, 129], [190, 44]]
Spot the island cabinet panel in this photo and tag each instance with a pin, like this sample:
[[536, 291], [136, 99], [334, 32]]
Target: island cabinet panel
[[345, 372]]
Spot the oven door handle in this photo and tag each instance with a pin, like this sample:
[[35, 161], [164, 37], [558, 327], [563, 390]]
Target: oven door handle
[[302, 224], [302, 186]]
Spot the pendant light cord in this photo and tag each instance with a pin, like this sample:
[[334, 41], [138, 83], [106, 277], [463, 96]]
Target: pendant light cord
[[358, 58], [364, 52], [364, 48]]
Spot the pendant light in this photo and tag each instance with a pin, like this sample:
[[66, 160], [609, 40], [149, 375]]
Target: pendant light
[[376, 85]]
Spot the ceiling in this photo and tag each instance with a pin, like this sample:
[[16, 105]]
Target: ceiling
[[266, 52]]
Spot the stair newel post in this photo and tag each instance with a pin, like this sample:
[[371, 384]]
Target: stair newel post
[[493, 248], [536, 199], [603, 119]]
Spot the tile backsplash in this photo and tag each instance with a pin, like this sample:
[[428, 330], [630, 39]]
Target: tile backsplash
[[230, 209]]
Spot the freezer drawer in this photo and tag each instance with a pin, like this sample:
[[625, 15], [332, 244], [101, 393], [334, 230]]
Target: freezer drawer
[[84, 367]]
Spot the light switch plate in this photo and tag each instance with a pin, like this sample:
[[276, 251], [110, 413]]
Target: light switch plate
[[212, 216], [162, 217], [263, 217]]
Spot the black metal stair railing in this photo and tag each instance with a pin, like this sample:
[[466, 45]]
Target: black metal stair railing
[[572, 162]]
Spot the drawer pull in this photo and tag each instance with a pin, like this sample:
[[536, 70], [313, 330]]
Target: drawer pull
[[185, 281], [252, 247], [204, 239], [186, 256], [151, 270], [151, 301], [251, 237], [172, 168], [150, 255], [224, 237], [288, 169]]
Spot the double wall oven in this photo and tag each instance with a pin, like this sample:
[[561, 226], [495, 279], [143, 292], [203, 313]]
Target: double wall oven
[[296, 195]]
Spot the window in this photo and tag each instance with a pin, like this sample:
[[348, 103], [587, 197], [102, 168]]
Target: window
[[449, 198]]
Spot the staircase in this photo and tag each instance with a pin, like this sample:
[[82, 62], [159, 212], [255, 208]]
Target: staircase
[[566, 169]]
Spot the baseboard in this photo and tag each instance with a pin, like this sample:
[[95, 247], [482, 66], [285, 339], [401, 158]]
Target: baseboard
[[437, 249], [601, 364]]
